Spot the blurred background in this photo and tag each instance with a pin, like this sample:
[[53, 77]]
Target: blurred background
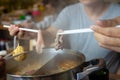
[[18, 11]]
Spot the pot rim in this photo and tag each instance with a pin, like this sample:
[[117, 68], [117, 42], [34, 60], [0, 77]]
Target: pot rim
[[52, 74]]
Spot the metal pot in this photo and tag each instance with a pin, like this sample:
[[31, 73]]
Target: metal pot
[[51, 65]]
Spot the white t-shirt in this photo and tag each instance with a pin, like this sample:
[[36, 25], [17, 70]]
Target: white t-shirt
[[48, 20], [75, 17]]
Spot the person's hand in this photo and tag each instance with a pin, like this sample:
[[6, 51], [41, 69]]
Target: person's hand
[[107, 34], [40, 42], [14, 31], [59, 41]]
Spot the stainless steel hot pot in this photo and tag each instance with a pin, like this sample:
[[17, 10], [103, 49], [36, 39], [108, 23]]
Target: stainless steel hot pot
[[52, 65]]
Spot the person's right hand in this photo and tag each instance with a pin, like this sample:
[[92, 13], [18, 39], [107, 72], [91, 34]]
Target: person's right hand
[[14, 30]]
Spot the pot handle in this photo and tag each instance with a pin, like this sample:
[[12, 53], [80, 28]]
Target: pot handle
[[89, 67], [85, 73]]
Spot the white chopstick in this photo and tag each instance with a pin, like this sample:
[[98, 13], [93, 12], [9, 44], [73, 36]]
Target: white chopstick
[[25, 29], [85, 30], [76, 31]]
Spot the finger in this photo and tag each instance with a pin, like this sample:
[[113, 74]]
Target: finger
[[111, 32], [11, 27], [107, 40], [13, 30], [114, 48], [103, 23], [107, 23]]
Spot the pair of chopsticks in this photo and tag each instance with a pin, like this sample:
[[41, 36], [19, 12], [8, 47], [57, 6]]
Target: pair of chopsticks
[[9, 56], [64, 32], [85, 30]]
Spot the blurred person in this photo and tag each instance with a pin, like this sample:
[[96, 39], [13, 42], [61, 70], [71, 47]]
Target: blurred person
[[77, 16], [49, 14]]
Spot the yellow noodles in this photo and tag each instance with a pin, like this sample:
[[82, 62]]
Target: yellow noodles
[[19, 50]]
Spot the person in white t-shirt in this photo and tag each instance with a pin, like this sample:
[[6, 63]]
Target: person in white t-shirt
[[77, 16]]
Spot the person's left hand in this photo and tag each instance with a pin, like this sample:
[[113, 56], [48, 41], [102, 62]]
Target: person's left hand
[[107, 34]]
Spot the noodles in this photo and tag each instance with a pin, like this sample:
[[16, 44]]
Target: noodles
[[19, 49], [67, 65], [28, 69]]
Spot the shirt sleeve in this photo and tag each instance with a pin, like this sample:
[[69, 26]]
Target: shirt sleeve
[[62, 20]]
